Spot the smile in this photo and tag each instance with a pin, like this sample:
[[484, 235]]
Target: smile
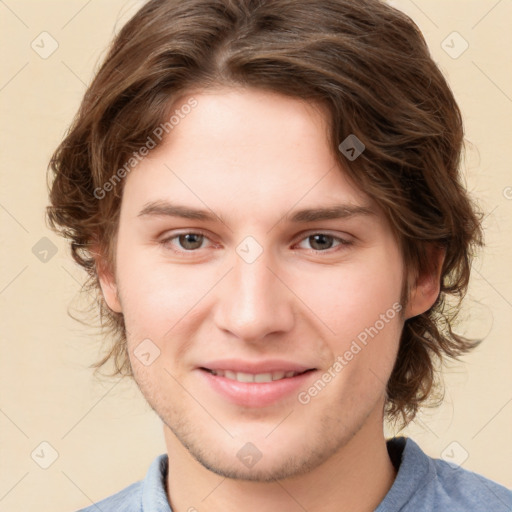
[[255, 389], [254, 377]]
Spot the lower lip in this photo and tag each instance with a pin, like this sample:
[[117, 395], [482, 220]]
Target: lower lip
[[255, 394]]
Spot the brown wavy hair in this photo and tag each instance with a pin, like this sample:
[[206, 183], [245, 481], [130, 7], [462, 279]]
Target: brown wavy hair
[[365, 61]]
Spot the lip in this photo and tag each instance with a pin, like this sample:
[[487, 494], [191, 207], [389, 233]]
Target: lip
[[255, 394], [264, 366]]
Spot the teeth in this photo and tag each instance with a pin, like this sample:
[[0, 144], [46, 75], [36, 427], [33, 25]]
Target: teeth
[[263, 377], [251, 377], [228, 374], [244, 377]]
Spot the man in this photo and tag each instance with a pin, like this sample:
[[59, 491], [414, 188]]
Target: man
[[266, 196]]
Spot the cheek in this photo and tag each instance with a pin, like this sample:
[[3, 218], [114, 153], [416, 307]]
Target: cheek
[[159, 298], [360, 305], [352, 296]]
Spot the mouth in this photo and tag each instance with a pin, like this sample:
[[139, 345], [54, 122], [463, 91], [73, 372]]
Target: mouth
[[255, 377], [256, 389]]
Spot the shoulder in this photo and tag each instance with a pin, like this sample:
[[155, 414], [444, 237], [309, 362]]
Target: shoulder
[[469, 491], [428, 484], [127, 500]]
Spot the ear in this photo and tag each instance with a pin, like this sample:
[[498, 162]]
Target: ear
[[107, 281], [426, 283]]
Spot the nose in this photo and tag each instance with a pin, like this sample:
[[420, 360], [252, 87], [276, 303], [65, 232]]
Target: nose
[[253, 301]]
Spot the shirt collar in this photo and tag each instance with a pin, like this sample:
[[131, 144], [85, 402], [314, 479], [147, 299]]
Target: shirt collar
[[415, 471], [154, 496]]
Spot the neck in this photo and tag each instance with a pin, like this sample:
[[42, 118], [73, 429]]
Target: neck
[[355, 478]]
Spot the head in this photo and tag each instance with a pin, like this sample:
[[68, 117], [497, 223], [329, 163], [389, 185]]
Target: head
[[241, 108]]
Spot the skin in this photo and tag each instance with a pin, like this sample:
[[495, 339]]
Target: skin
[[253, 158]]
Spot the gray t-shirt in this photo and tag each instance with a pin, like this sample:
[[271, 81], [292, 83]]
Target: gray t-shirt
[[422, 484]]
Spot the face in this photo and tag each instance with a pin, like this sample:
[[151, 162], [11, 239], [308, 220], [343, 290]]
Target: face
[[287, 267]]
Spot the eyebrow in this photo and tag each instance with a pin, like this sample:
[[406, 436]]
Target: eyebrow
[[339, 211]]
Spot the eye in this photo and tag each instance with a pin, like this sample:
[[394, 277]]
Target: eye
[[321, 242], [188, 242], [191, 241]]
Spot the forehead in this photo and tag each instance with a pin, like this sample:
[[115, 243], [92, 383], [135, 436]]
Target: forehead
[[244, 149]]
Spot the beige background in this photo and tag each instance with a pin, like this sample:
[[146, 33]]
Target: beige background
[[104, 433]]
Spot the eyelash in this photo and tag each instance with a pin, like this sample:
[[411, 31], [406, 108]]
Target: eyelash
[[342, 242]]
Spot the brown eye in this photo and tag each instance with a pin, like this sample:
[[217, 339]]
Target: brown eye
[[190, 241], [321, 241], [184, 242]]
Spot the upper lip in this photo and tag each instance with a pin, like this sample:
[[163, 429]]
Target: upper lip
[[265, 366]]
